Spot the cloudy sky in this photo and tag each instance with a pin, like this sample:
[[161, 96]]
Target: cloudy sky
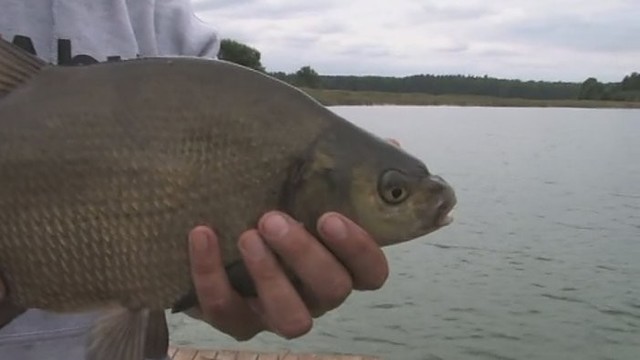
[[566, 40]]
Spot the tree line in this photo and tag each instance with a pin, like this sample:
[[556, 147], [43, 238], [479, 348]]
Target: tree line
[[626, 90]]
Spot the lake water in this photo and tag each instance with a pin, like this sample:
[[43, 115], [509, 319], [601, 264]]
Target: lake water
[[542, 261]]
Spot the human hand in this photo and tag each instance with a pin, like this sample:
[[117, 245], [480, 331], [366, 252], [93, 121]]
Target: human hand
[[346, 258], [327, 279]]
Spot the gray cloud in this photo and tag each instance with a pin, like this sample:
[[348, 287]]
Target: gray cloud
[[539, 39], [617, 33], [364, 51], [262, 9], [453, 12], [208, 5]]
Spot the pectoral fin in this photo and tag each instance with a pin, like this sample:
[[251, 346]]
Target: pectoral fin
[[119, 335], [8, 312]]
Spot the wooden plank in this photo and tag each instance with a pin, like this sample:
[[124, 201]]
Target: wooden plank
[[244, 355], [227, 355], [185, 353], [188, 353]]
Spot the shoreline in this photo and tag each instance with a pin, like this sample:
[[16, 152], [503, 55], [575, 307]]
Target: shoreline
[[366, 98]]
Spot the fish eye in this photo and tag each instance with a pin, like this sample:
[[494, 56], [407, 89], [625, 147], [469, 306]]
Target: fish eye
[[393, 187]]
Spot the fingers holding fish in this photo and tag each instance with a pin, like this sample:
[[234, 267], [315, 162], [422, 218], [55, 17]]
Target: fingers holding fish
[[280, 305], [326, 282], [362, 256], [220, 305]]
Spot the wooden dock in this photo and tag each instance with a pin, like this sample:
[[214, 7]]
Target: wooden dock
[[187, 353]]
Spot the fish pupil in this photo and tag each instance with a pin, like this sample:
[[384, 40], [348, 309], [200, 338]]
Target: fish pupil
[[397, 193]]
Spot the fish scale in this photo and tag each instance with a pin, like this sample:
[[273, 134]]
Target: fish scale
[[108, 178]]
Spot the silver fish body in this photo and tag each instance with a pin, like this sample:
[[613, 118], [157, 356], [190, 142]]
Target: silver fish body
[[105, 168]]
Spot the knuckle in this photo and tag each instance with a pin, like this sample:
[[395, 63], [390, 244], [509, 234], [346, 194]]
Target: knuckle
[[202, 268], [218, 306], [267, 273], [359, 248], [373, 280], [337, 292]]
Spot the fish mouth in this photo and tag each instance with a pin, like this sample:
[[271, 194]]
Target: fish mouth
[[446, 218], [445, 208]]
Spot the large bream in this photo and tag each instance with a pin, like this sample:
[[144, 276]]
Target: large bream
[[105, 168]]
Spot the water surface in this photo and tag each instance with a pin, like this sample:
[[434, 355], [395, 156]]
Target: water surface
[[542, 262]]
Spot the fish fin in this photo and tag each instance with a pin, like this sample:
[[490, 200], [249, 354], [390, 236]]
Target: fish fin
[[8, 312], [156, 345], [119, 334], [17, 66], [240, 279], [186, 302]]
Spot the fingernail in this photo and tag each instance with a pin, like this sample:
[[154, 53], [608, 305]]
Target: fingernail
[[253, 247], [334, 227], [199, 241], [275, 226]]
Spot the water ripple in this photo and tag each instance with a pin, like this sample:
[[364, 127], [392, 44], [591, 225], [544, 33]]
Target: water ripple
[[619, 313], [504, 336], [541, 258], [378, 340], [527, 312], [465, 310], [396, 328], [626, 196], [384, 306], [433, 357], [630, 206], [563, 298], [578, 227], [327, 334], [604, 267], [476, 353], [615, 329], [568, 289], [634, 305]]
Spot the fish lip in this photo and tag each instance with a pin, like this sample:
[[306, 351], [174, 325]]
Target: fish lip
[[446, 219], [446, 210], [446, 216]]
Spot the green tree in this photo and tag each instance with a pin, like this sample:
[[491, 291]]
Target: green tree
[[307, 77], [591, 89], [631, 82], [239, 53]]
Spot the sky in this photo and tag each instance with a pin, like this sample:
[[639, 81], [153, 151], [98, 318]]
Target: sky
[[552, 40]]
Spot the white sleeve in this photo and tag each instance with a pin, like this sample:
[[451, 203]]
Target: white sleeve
[[179, 31]]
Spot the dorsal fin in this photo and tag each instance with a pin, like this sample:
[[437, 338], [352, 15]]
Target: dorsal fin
[[16, 66]]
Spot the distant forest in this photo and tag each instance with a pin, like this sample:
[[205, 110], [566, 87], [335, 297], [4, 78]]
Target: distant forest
[[628, 89]]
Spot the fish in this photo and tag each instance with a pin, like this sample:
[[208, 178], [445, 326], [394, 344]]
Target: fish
[[105, 167]]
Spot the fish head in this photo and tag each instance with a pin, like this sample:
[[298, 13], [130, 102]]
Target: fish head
[[388, 192]]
